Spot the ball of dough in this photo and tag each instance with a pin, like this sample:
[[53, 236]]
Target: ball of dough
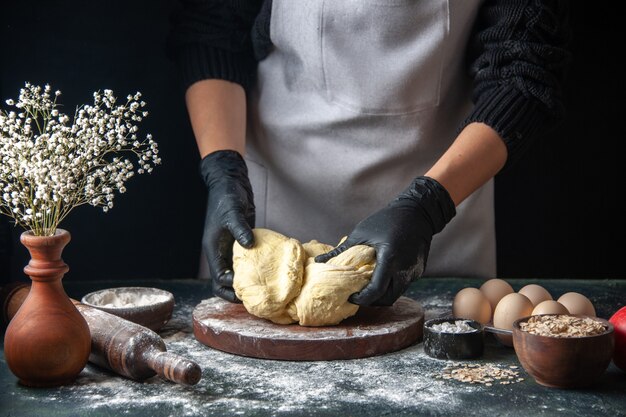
[[326, 287], [269, 275], [279, 280]]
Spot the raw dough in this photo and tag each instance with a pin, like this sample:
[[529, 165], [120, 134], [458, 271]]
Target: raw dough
[[269, 275], [321, 298]]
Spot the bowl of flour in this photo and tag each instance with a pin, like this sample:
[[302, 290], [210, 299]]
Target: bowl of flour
[[147, 306]]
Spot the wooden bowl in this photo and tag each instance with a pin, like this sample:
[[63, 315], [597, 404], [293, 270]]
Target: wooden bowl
[[564, 362], [149, 307]]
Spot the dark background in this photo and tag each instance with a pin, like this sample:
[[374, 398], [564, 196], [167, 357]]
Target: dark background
[[559, 211]]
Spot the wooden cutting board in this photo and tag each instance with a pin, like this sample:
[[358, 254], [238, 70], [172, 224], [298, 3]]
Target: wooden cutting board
[[372, 331]]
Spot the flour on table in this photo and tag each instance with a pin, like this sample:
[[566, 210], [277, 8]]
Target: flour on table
[[234, 385]]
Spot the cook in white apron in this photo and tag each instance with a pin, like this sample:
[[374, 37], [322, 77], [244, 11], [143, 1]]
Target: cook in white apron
[[355, 100], [351, 105]]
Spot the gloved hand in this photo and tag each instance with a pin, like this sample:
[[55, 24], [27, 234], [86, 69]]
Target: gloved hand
[[401, 234], [229, 216]]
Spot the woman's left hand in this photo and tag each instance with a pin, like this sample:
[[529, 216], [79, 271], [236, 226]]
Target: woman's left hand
[[401, 234]]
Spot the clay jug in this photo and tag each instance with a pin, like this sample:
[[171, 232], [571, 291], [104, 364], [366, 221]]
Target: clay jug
[[47, 343]]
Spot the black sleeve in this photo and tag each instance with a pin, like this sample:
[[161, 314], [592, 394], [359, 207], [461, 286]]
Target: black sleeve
[[521, 58], [212, 39]]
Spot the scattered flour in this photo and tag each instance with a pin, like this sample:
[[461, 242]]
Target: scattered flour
[[436, 306], [395, 384]]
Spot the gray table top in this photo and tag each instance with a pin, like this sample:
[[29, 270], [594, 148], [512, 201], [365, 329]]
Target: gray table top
[[397, 384]]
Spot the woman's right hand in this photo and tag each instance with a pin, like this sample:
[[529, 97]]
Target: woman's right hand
[[230, 216]]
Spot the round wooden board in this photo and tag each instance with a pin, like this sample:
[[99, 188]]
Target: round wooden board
[[372, 331]]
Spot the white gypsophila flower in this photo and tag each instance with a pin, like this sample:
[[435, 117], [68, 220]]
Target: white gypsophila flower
[[51, 163]]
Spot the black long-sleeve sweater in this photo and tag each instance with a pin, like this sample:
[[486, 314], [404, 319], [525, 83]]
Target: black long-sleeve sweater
[[517, 57]]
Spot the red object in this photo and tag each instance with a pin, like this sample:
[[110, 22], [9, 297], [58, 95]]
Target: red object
[[619, 322]]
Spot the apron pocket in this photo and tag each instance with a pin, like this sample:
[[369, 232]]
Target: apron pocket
[[383, 56], [257, 174]]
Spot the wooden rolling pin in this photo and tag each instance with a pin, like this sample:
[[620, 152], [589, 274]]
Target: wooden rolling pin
[[117, 344]]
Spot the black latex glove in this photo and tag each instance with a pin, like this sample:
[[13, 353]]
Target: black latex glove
[[229, 216], [401, 234]]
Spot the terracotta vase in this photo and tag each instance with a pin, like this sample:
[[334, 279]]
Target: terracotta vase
[[47, 343]]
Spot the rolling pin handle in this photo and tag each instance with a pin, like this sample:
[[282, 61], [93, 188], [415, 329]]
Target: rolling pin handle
[[12, 296], [175, 368]]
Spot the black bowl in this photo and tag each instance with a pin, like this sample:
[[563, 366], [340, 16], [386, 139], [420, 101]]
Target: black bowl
[[442, 345]]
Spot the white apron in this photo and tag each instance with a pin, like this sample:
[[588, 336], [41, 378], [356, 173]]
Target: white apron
[[357, 98]]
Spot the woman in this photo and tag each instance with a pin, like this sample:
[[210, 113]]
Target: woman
[[338, 106]]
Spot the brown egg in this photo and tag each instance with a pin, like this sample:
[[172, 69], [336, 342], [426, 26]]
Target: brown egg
[[549, 307], [535, 293], [510, 308], [494, 290], [470, 303], [577, 303]]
